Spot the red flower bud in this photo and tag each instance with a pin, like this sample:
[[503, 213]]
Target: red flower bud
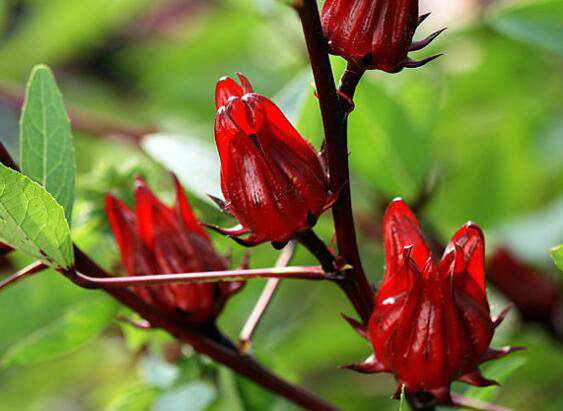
[[431, 323], [156, 239], [375, 34], [272, 179]]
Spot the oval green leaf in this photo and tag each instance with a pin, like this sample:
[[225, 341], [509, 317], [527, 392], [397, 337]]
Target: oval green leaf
[[32, 221], [46, 146]]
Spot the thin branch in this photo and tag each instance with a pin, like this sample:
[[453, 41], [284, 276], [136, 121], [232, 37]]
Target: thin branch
[[334, 116], [218, 351], [23, 273], [84, 123], [245, 338], [303, 273]]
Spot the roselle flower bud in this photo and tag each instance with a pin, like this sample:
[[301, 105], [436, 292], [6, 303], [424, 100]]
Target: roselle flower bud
[[272, 179], [431, 323], [375, 34], [156, 239]]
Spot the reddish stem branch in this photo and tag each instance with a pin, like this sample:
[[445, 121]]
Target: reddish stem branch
[[263, 302], [223, 354], [303, 273], [355, 285], [85, 124], [23, 273]]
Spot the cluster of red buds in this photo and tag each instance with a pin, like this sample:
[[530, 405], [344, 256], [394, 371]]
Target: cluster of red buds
[[157, 239], [431, 321], [375, 34]]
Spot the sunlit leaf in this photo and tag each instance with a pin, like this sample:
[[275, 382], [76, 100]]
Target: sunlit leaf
[[139, 399], [46, 147], [32, 221]]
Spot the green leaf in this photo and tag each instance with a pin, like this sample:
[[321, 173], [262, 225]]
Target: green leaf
[[499, 371], [139, 399], [32, 221], [557, 256], [402, 403], [76, 327], [253, 396], [196, 396], [46, 147], [540, 24]]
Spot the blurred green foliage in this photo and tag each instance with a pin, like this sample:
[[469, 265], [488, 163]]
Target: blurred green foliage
[[485, 120]]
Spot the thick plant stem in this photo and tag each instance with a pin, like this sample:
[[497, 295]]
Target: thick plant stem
[[355, 285], [318, 248]]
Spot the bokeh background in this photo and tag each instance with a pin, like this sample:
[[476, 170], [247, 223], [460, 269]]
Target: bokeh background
[[484, 122]]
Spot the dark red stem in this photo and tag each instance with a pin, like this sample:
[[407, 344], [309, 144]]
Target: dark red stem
[[218, 351], [355, 285]]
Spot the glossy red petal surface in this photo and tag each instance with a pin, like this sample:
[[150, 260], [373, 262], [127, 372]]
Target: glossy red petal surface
[[401, 229], [185, 212], [260, 195], [284, 147], [225, 89], [122, 223], [374, 34], [471, 240], [246, 86], [151, 215]]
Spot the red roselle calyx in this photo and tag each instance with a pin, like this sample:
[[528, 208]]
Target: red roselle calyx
[[375, 34], [431, 323], [272, 179], [156, 239]]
